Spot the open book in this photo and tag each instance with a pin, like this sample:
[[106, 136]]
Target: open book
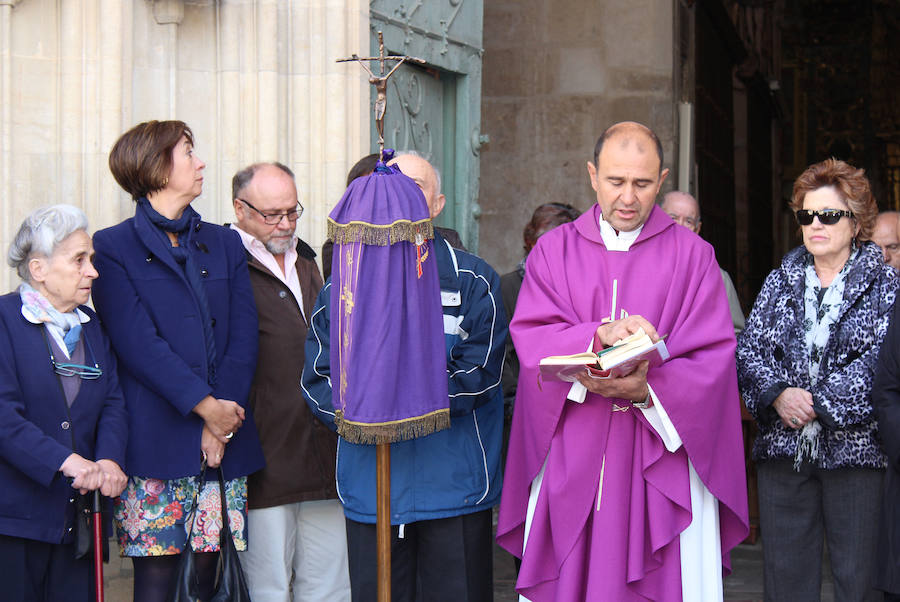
[[618, 360]]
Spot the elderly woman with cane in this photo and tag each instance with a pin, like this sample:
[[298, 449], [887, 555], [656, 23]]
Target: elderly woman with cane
[[63, 425]]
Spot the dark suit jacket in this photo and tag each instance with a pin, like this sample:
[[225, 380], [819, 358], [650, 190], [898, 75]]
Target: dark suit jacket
[[37, 427], [153, 320]]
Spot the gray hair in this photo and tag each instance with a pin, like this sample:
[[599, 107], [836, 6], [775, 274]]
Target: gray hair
[[242, 178], [41, 232], [437, 172], [675, 194]]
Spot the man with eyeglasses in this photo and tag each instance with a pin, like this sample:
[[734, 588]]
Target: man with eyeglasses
[[685, 211], [886, 236], [295, 520]]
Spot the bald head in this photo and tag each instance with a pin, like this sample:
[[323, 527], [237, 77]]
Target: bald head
[[627, 133], [887, 237], [683, 209], [422, 172], [627, 174]]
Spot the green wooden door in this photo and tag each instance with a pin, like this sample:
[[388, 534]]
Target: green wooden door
[[435, 109]]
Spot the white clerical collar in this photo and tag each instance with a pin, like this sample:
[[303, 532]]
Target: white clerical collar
[[617, 241]]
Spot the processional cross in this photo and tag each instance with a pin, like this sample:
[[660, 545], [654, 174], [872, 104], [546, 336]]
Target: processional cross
[[380, 82], [383, 450]]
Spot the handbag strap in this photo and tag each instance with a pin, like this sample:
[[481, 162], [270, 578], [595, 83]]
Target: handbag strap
[[201, 480], [225, 532]]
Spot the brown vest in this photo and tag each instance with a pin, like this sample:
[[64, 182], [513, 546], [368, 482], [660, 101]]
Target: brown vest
[[300, 451]]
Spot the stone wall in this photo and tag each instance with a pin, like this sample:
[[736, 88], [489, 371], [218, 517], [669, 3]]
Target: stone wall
[[255, 80], [556, 73]]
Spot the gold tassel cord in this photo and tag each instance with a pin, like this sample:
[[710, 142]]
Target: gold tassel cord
[[391, 432], [378, 235]]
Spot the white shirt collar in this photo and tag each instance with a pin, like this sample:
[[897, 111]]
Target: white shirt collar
[[617, 241], [253, 244], [259, 251]]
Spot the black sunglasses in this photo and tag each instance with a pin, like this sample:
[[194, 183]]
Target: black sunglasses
[[827, 217]]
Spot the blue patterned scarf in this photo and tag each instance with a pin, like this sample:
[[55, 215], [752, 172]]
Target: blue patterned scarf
[[182, 227], [37, 308]]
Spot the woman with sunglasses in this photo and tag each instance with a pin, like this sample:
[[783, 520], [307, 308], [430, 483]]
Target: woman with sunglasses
[[63, 427], [806, 362], [175, 297]]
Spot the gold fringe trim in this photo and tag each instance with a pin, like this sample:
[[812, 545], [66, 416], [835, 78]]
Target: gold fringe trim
[[391, 432], [382, 236]]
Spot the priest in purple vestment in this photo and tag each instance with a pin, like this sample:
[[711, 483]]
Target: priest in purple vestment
[[630, 487]]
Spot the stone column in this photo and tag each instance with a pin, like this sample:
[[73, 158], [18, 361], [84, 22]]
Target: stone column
[[255, 79], [169, 14], [6, 8]]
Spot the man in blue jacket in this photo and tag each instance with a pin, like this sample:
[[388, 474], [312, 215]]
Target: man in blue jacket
[[443, 485]]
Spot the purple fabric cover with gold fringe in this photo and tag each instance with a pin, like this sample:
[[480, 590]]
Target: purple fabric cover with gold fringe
[[388, 358]]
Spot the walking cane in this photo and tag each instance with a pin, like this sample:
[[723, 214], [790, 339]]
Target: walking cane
[[98, 547]]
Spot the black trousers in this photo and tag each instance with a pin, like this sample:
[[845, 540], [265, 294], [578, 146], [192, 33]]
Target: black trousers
[[34, 571], [800, 511], [436, 560]]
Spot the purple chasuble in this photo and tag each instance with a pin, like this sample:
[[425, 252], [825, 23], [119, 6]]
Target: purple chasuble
[[629, 549], [390, 368]]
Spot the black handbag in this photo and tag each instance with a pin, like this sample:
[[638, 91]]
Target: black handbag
[[231, 586], [83, 528]]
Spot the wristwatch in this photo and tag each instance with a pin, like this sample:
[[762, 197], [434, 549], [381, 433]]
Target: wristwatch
[[642, 405]]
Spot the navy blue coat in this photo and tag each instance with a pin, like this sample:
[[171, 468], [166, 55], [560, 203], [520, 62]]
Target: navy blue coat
[[36, 428], [153, 320]]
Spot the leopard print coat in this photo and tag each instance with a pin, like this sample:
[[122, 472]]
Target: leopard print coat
[[772, 356]]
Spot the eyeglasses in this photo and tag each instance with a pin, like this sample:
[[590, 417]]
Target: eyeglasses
[[827, 217], [82, 371], [682, 220], [273, 219]]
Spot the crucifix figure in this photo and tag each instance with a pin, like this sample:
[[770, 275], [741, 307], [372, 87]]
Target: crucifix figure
[[380, 82]]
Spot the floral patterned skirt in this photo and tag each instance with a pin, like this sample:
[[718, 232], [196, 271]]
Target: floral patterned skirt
[[152, 516]]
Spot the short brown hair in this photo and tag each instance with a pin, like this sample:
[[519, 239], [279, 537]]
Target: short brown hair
[[549, 216], [850, 183], [141, 158]]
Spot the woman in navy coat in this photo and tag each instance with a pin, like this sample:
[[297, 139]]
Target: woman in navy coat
[[176, 300], [62, 417]]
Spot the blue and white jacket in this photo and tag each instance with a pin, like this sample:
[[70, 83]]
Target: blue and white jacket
[[451, 472]]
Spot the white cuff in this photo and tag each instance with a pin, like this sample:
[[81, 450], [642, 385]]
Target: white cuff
[[658, 418]]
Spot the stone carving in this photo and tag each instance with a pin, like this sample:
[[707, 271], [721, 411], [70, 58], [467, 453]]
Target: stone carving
[[412, 132]]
